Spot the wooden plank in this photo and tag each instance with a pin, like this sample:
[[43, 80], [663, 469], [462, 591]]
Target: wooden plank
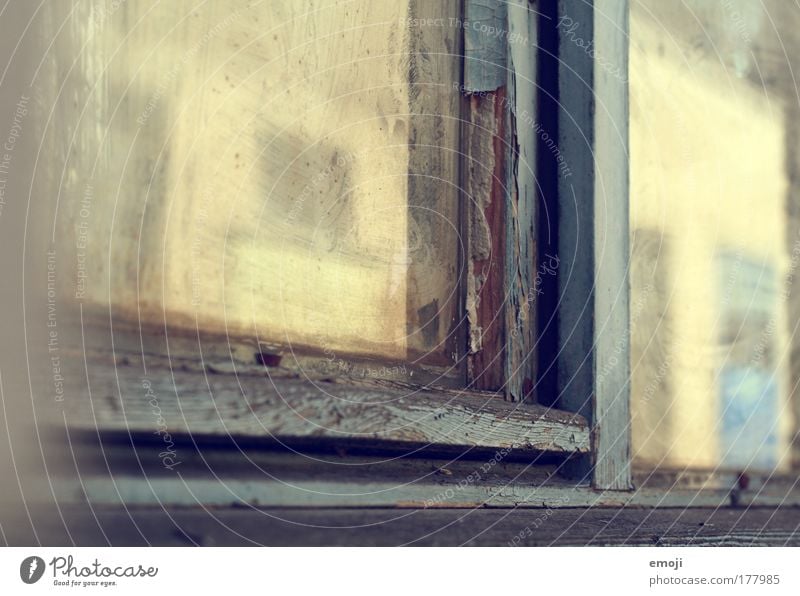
[[521, 205], [486, 155], [381, 527], [239, 472], [593, 369], [499, 167], [188, 491], [270, 407]]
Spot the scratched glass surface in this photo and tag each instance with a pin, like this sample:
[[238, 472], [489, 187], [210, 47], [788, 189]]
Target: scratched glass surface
[[715, 234], [261, 170]]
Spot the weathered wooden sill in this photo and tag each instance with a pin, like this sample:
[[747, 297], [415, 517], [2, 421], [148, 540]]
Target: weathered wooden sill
[[123, 398]]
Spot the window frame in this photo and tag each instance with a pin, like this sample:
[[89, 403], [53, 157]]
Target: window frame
[[445, 480], [592, 317], [594, 312], [591, 430]]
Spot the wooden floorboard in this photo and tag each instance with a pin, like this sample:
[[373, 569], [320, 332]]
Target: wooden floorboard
[[393, 527]]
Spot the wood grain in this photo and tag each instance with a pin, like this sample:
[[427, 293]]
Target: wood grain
[[380, 527], [125, 399], [118, 468], [522, 207], [499, 166], [486, 159]]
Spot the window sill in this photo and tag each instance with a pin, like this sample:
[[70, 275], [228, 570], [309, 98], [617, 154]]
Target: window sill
[[273, 408]]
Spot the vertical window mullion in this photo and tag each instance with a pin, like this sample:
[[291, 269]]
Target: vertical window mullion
[[593, 318]]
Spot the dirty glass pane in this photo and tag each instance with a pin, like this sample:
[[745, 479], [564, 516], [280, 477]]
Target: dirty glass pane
[[282, 172], [715, 233]]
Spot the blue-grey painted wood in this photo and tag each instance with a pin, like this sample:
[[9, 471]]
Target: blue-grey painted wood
[[593, 376], [521, 210], [173, 403], [484, 45], [120, 470]]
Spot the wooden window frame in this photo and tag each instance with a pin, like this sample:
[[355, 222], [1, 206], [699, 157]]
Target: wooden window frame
[[594, 314], [210, 492], [592, 428], [473, 449]]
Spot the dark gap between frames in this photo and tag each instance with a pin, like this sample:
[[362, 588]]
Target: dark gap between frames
[[547, 173]]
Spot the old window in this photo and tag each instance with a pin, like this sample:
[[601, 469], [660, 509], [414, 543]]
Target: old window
[[282, 222], [405, 230]]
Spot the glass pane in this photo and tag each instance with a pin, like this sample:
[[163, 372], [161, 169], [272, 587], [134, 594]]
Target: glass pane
[[281, 171], [715, 233]]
